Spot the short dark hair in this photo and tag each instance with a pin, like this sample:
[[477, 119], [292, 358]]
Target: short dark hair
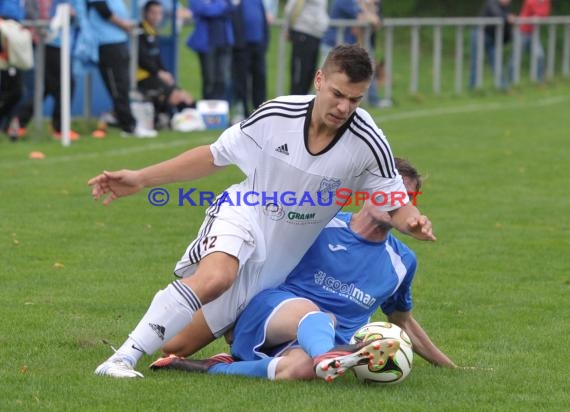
[[406, 169], [149, 4], [350, 59]]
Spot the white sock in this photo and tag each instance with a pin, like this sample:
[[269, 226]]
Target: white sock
[[169, 312], [272, 368]]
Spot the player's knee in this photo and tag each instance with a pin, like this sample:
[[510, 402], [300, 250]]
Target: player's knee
[[213, 278], [221, 279]]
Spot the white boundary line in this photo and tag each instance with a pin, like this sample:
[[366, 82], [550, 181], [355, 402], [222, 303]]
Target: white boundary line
[[470, 108], [414, 114], [115, 152]]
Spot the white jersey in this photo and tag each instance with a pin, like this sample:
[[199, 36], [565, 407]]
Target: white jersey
[[270, 147]]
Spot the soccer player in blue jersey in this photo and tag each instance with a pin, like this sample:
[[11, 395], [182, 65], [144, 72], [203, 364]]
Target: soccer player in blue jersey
[[302, 327]]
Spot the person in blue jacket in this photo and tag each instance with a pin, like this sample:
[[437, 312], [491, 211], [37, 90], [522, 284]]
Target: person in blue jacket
[[213, 39], [110, 23], [249, 71]]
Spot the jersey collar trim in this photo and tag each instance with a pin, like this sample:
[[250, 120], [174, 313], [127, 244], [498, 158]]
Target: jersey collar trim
[[336, 138]]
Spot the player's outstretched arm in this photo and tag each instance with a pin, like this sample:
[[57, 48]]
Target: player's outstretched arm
[[115, 184], [408, 220], [190, 165], [421, 342]]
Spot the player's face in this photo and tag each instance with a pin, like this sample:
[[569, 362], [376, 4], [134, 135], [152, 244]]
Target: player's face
[[337, 97], [154, 15]]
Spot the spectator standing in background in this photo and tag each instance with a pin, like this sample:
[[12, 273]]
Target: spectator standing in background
[[52, 77], [249, 71], [110, 24], [491, 8], [346, 10], [533, 8], [213, 39], [349, 10], [10, 79], [307, 21], [372, 10], [34, 10]]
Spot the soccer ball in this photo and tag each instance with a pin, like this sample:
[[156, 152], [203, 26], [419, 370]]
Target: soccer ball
[[397, 368]]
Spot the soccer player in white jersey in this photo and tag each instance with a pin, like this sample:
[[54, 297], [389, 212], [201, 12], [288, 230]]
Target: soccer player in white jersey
[[354, 267], [292, 144]]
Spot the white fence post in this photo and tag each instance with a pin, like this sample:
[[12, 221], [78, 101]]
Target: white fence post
[[498, 69], [551, 52], [388, 62], [437, 48], [480, 55], [65, 76], [415, 59], [39, 77], [566, 52], [282, 58], [534, 47], [516, 57], [458, 59]]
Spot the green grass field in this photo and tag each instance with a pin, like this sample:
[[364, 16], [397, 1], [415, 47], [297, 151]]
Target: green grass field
[[493, 292]]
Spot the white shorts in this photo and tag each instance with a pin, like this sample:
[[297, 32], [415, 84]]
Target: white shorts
[[221, 313], [227, 229]]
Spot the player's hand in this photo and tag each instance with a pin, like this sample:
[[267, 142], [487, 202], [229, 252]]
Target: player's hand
[[420, 228], [116, 184]]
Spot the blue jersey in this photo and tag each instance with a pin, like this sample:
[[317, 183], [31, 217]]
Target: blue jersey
[[342, 273], [105, 31], [349, 276]]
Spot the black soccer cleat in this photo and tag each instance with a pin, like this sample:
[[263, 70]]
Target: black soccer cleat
[[174, 362]]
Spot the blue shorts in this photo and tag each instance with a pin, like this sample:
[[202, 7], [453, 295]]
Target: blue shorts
[[251, 326]]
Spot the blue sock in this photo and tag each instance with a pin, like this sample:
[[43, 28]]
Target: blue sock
[[316, 333], [256, 368]]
